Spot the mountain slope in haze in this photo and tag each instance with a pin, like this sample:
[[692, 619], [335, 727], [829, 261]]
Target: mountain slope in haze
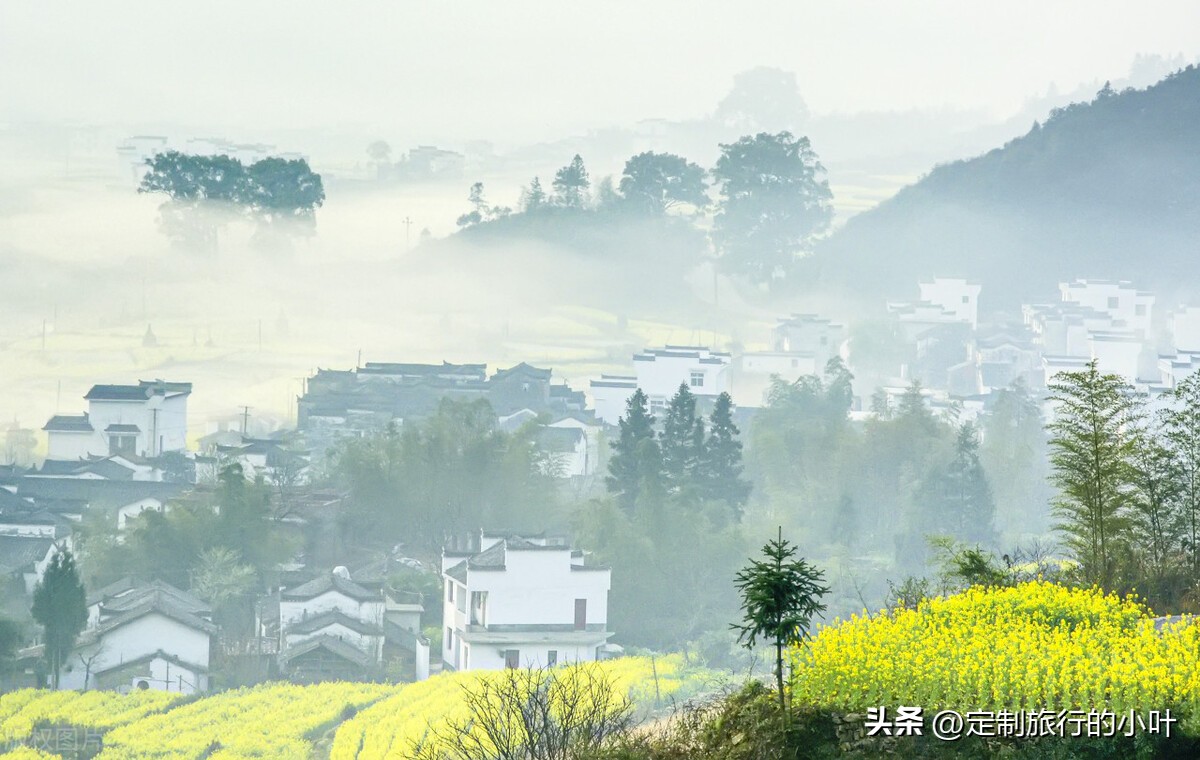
[[1106, 189]]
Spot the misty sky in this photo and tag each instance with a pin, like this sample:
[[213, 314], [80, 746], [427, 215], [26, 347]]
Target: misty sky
[[519, 69]]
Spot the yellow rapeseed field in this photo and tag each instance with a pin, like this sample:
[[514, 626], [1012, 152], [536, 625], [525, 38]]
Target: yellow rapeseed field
[[1034, 646], [392, 727]]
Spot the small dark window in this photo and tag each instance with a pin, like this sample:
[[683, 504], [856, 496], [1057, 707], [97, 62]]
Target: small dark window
[[966, 299], [580, 614], [551, 658], [512, 658], [1113, 302], [449, 638]]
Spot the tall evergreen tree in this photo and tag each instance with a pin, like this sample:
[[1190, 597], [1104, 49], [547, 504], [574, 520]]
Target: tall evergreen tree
[[958, 497], [681, 441], [627, 470], [1090, 449], [571, 184], [721, 466], [533, 197], [60, 606], [781, 594], [1181, 423]]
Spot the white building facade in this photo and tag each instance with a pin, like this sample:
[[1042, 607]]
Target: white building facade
[[659, 372], [521, 602]]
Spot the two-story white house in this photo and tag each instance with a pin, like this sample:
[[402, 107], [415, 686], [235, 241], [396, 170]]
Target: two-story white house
[[330, 628], [659, 372], [143, 420], [522, 602]]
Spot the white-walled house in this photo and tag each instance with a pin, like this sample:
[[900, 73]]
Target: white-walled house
[[1185, 329], [1121, 301], [143, 420], [955, 295], [610, 394], [143, 636], [330, 628], [659, 372], [522, 602]]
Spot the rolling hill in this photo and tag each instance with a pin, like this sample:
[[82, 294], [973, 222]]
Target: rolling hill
[[1105, 189]]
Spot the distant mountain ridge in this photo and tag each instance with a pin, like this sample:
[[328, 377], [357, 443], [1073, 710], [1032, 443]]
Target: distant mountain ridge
[[1109, 189]]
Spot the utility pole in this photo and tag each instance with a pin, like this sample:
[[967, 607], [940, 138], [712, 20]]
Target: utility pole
[[245, 420], [407, 229]]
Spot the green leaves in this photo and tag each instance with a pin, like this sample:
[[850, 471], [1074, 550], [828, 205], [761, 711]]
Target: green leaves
[[780, 596], [60, 606]]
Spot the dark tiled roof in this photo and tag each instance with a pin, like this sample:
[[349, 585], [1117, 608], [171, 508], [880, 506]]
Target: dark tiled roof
[[330, 582], [119, 428], [334, 617], [165, 387], [523, 369], [132, 597], [559, 439], [10, 502], [158, 655], [161, 604], [19, 552], [69, 423], [117, 393], [107, 468], [330, 644], [95, 492]]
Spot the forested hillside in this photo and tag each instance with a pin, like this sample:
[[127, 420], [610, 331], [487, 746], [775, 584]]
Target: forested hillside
[[1109, 188]]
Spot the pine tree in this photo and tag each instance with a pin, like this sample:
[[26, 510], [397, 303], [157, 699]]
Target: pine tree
[[958, 497], [780, 597], [1090, 450], [627, 472], [721, 468], [682, 441], [60, 606], [534, 197], [571, 184]]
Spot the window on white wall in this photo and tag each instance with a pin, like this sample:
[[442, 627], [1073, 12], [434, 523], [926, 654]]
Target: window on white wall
[[696, 379]]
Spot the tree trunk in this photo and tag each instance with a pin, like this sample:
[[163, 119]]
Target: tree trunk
[[779, 673]]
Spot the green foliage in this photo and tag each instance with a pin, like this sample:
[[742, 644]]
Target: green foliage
[[1014, 455], [60, 606], [681, 441], [780, 597], [274, 186], [743, 725], [571, 184], [1074, 194], [1091, 447], [1181, 428], [720, 466], [652, 183], [774, 202], [635, 447], [957, 498], [672, 563], [533, 197], [451, 473]]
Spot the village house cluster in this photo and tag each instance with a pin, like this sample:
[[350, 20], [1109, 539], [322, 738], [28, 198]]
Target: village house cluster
[[508, 600]]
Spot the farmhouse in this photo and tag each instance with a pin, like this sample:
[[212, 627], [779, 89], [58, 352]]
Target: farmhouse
[[520, 602]]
